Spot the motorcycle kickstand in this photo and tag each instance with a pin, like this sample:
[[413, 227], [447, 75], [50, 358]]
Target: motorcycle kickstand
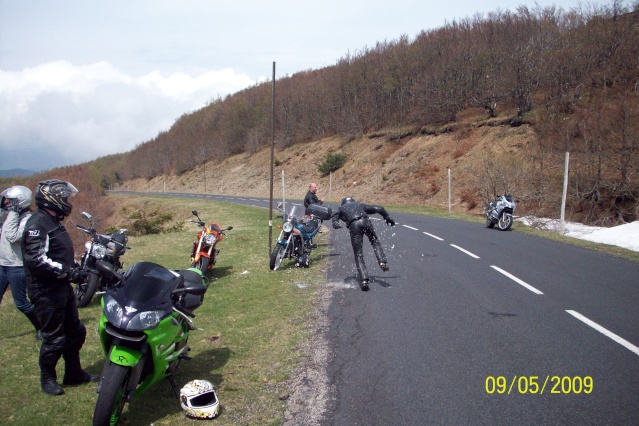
[[185, 356], [174, 386]]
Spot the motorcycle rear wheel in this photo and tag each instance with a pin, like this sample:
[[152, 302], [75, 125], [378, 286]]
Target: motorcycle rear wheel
[[489, 223], [505, 221], [83, 292], [111, 399], [276, 257]]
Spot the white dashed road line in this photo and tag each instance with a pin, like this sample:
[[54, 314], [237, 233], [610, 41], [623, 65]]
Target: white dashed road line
[[434, 236], [465, 251], [517, 280], [605, 332]]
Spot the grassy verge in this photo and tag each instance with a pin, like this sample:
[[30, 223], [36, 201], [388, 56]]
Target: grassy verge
[[253, 321]]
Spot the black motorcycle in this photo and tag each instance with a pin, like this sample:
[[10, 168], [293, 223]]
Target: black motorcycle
[[106, 247]]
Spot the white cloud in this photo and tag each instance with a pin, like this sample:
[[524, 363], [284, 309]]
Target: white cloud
[[78, 113], [181, 86]]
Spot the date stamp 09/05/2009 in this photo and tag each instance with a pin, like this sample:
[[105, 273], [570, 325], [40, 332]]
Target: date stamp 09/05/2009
[[537, 385]]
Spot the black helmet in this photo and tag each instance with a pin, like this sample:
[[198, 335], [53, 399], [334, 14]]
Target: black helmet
[[348, 200], [54, 194]]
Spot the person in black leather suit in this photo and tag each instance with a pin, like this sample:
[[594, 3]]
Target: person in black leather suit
[[47, 252], [355, 215]]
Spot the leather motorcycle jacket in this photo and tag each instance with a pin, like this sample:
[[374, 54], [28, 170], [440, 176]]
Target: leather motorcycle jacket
[[47, 250], [350, 212]]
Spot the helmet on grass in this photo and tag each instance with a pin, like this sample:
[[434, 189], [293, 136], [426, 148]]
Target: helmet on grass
[[198, 400]]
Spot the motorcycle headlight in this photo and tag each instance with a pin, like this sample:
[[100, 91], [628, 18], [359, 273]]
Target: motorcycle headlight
[[145, 320], [287, 227], [112, 310], [87, 246], [209, 239], [99, 251]]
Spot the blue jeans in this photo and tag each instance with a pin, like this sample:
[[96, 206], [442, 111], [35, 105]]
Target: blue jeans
[[15, 277]]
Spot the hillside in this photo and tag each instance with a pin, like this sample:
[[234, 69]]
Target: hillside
[[381, 167], [498, 99]]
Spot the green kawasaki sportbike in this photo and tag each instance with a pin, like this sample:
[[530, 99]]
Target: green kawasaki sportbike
[[144, 330]]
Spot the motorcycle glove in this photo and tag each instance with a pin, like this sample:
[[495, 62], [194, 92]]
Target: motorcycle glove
[[15, 205], [77, 275], [336, 225], [390, 221]]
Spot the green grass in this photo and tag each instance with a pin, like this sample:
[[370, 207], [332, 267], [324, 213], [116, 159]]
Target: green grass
[[253, 322]]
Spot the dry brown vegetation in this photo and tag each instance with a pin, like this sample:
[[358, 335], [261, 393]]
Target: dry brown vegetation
[[498, 99]]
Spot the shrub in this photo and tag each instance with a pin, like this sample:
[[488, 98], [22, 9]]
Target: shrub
[[332, 162], [144, 223], [468, 196]]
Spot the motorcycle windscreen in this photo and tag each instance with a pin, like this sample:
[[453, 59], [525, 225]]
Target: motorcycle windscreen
[[296, 210], [150, 284]]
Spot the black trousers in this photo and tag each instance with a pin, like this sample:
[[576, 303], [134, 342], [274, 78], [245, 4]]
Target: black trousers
[[358, 228], [62, 332]]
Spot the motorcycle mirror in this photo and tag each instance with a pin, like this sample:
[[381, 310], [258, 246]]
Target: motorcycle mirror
[[194, 212], [190, 290], [107, 270], [87, 216], [229, 228]]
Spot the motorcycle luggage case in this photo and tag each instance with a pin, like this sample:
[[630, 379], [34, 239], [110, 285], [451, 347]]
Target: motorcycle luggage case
[[322, 212]]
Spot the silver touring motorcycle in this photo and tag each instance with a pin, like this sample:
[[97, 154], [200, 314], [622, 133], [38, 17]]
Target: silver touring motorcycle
[[500, 212]]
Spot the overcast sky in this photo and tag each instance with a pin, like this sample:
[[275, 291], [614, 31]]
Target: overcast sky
[[81, 79]]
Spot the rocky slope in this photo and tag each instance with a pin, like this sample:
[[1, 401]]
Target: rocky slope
[[394, 167]]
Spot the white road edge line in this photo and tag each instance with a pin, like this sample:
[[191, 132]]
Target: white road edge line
[[465, 251], [517, 280], [434, 236], [605, 332], [410, 227]]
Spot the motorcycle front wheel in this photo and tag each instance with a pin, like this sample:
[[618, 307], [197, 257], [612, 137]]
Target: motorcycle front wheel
[[505, 221], [276, 256], [111, 399], [83, 292], [489, 223], [202, 264]]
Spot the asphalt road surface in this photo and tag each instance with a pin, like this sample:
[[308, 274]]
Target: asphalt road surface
[[474, 326], [477, 326]]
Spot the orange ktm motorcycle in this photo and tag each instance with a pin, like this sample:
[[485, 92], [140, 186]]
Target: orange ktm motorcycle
[[204, 254]]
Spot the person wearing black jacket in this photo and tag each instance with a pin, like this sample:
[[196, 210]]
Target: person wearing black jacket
[[355, 215], [47, 252], [311, 196]]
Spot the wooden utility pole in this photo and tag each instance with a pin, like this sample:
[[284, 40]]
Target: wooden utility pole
[[270, 203]]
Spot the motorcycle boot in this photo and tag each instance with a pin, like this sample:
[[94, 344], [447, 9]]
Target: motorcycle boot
[[49, 383], [79, 378], [73, 373], [48, 377], [384, 266], [364, 285]]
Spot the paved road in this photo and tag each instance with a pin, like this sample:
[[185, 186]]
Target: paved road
[[462, 305], [477, 326]]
